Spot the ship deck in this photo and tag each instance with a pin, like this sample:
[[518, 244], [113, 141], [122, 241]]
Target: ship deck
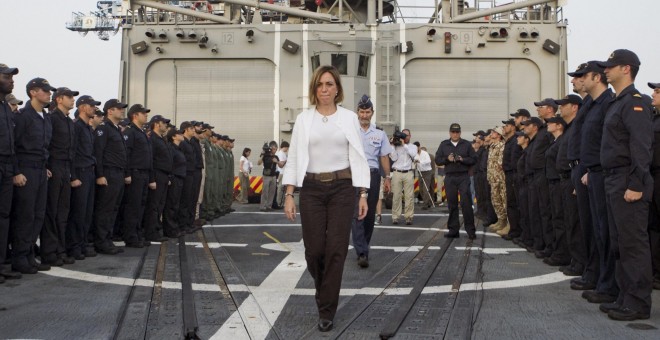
[[244, 277]]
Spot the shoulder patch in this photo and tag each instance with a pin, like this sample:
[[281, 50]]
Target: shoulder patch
[[125, 137], [99, 132], [638, 108]]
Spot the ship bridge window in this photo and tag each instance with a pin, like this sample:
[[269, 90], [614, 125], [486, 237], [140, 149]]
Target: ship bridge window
[[340, 61], [316, 61], [363, 66]]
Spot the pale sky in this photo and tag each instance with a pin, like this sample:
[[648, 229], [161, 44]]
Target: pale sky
[[37, 42]]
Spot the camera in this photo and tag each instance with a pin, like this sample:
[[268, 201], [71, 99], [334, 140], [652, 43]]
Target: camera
[[398, 137], [265, 150]]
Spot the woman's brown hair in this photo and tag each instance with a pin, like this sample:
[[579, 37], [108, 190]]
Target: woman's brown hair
[[316, 78]]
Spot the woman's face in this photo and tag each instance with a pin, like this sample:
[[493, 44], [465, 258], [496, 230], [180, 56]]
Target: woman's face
[[247, 154], [326, 89]]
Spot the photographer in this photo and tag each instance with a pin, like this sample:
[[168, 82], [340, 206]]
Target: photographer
[[402, 175], [269, 161], [457, 155]]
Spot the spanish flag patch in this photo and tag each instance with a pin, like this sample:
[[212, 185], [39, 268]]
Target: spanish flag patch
[[638, 108]]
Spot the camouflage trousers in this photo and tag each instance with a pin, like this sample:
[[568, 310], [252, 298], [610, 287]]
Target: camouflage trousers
[[498, 198]]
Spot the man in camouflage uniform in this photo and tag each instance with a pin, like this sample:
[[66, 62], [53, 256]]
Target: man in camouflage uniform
[[210, 195], [495, 176]]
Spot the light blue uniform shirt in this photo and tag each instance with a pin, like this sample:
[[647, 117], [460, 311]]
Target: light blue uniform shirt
[[375, 145]]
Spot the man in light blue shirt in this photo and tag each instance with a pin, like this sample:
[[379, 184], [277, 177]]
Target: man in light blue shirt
[[377, 149]]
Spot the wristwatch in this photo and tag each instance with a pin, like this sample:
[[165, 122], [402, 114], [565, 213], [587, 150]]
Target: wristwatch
[[364, 194]]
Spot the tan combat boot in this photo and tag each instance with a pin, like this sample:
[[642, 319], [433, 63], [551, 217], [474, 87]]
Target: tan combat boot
[[504, 231], [497, 226]]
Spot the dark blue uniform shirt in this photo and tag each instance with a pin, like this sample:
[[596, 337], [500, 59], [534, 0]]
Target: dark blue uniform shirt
[[189, 153], [463, 148], [592, 129], [197, 149], [6, 131], [562, 151], [512, 152], [33, 133], [84, 148], [536, 153], [178, 160], [109, 148], [162, 153], [551, 159], [573, 137], [627, 137], [138, 149], [61, 146]]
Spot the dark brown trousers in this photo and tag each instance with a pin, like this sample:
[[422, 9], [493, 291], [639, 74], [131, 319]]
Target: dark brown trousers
[[326, 210]]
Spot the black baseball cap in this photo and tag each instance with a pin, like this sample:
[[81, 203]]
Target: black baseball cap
[[11, 99], [207, 126], [533, 120], [113, 103], [579, 72], [521, 113], [4, 69], [654, 85], [159, 118], [365, 103], [65, 91], [39, 83], [196, 123], [621, 57], [137, 108], [98, 112], [509, 122], [556, 119], [455, 127], [520, 133], [479, 133], [124, 122], [569, 99], [87, 100], [230, 139], [547, 101]]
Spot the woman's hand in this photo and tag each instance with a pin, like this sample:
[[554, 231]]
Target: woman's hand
[[290, 207], [362, 208]]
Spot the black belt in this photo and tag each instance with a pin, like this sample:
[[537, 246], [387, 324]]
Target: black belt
[[374, 170], [573, 164], [86, 168], [618, 170], [596, 168], [402, 171]]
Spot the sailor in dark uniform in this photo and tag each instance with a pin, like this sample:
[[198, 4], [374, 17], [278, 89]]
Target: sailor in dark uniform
[[172, 211], [595, 84], [187, 204], [82, 182], [7, 158], [626, 158], [457, 155], [654, 216], [110, 155], [33, 132], [60, 163], [162, 171], [512, 152], [139, 168]]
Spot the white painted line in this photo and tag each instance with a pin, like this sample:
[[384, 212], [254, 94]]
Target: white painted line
[[402, 249], [494, 251], [252, 225], [214, 245]]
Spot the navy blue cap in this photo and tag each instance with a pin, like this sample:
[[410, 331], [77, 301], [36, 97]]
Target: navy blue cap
[[533, 120], [4, 69], [455, 127], [159, 118], [365, 103], [509, 122], [114, 103], [571, 98], [39, 83], [621, 57], [521, 113], [65, 91], [547, 101], [579, 72], [654, 85], [556, 119], [520, 133], [87, 100]]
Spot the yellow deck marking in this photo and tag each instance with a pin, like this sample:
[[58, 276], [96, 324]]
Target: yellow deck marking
[[277, 241]]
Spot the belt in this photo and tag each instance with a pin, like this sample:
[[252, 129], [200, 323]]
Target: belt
[[565, 175], [141, 170], [330, 176], [402, 171], [618, 170], [86, 168], [374, 170], [596, 168], [572, 164]]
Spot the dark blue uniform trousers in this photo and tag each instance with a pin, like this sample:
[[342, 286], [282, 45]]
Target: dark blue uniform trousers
[[361, 230], [6, 193], [106, 207], [53, 234], [606, 283], [29, 210], [592, 269], [630, 241], [81, 212], [455, 184]]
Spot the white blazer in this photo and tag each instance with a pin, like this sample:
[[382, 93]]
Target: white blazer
[[296, 166]]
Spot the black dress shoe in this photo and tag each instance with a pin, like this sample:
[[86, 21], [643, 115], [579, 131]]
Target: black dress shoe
[[553, 261], [67, 259], [596, 297], [507, 237], [472, 236], [541, 254], [363, 262], [42, 267], [136, 244], [108, 251], [25, 269], [10, 275], [607, 307], [656, 284], [571, 271], [627, 314], [451, 235], [158, 239], [582, 285], [89, 252], [325, 325], [79, 257], [2, 279]]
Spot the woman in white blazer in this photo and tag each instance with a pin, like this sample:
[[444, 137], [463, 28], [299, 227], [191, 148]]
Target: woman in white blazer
[[327, 162]]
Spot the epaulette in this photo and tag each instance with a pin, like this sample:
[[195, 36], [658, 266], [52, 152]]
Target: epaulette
[[102, 123], [637, 95]]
